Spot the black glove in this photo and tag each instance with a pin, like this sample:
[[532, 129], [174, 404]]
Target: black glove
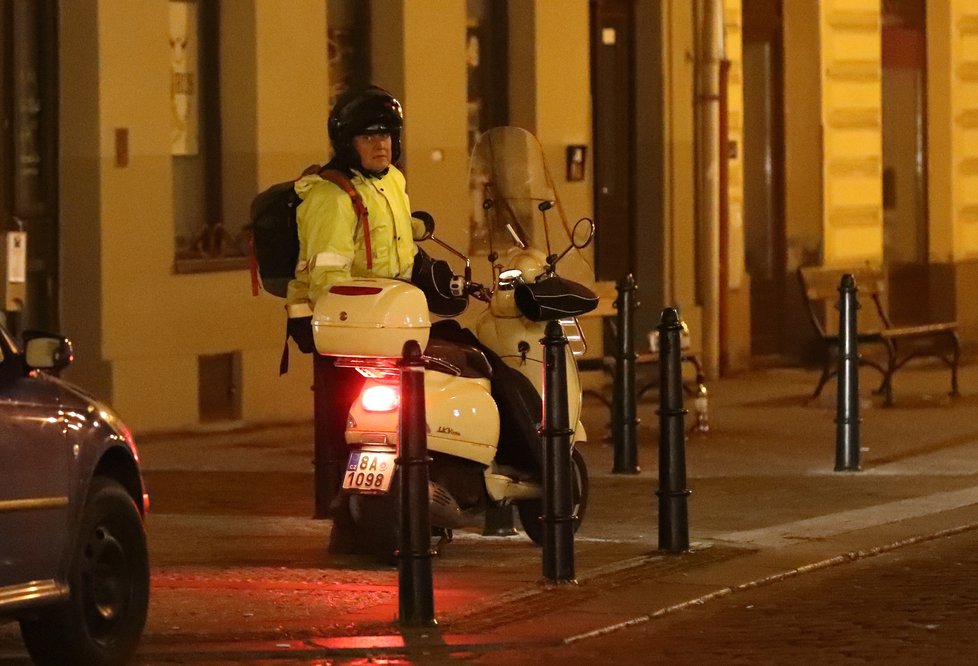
[[553, 298], [435, 278]]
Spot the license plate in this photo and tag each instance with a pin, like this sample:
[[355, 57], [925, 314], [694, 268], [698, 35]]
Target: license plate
[[369, 471]]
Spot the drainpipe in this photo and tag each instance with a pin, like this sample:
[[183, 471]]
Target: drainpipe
[[709, 24], [723, 276]]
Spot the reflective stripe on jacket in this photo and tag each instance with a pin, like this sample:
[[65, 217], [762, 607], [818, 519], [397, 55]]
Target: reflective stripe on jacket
[[331, 247]]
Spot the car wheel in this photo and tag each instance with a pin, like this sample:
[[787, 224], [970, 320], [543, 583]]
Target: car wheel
[[103, 619], [531, 511]]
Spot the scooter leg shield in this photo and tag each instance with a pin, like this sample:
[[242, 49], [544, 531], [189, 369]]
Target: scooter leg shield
[[520, 411]]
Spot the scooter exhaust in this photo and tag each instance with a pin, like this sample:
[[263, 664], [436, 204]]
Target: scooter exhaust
[[445, 511]]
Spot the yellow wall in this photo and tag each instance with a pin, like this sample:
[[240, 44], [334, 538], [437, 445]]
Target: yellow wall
[[678, 160], [851, 117], [153, 323], [548, 49], [550, 89], [80, 193], [678, 130], [802, 134], [941, 79], [435, 140], [138, 326], [563, 110], [952, 138], [953, 129]]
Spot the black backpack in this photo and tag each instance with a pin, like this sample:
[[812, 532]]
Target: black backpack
[[275, 232]]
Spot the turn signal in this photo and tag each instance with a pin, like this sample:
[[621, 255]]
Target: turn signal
[[380, 398]]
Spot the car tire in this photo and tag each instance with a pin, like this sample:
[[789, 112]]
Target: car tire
[[531, 511], [103, 619]]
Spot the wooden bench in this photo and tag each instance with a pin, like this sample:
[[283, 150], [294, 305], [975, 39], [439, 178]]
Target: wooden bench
[[607, 310], [899, 344]]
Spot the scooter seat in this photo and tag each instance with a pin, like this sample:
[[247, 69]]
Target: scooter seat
[[467, 358]]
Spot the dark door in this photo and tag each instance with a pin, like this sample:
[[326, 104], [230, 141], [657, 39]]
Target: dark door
[[612, 83], [764, 224], [28, 151], [904, 89]]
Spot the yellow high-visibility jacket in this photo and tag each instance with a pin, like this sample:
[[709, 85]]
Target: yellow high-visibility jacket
[[331, 241]]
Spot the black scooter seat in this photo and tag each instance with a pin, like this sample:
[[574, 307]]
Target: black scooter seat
[[468, 359]]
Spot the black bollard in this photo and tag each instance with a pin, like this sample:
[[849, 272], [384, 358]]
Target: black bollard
[[673, 513], [624, 423], [415, 590], [847, 392], [558, 500]]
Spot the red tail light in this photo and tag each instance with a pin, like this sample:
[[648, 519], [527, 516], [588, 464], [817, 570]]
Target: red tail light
[[354, 290], [380, 398]]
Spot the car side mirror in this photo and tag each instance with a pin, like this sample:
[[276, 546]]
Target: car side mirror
[[47, 351]]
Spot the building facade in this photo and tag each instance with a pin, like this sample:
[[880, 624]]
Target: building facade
[[719, 145]]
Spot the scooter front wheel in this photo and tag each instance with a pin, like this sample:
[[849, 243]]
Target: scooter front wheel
[[531, 511]]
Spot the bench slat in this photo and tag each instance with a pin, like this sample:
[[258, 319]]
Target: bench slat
[[915, 331]]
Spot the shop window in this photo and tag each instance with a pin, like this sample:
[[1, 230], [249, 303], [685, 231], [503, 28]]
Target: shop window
[[204, 240]]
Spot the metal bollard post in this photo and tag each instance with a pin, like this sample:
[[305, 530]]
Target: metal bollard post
[[415, 591], [847, 392], [673, 513], [558, 500], [623, 420]]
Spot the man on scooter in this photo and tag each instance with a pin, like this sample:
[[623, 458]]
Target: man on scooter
[[335, 244]]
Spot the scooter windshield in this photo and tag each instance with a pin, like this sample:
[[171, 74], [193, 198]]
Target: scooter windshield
[[515, 203]]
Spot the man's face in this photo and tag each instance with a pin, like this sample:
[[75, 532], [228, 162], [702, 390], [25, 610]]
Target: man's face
[[374, 150]]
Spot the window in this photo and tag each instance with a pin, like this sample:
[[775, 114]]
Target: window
[[203, 241]]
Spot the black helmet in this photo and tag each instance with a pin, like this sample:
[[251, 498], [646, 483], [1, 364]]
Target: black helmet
[[371, 110]]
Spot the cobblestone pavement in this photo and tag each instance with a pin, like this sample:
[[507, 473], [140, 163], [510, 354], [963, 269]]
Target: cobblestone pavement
[[913, 605], [240, 573]]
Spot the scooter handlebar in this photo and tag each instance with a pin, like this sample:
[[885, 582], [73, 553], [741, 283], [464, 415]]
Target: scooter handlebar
[[460, 286]]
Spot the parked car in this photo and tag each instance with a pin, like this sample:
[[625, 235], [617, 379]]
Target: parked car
[[74, 570]]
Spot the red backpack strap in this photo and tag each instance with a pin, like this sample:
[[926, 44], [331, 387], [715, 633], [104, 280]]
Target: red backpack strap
[[341, 181]]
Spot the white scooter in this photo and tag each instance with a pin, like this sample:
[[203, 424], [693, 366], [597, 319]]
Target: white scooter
[[482, 392]]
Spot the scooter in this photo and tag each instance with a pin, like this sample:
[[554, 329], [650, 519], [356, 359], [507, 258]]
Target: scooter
[[483, 390]]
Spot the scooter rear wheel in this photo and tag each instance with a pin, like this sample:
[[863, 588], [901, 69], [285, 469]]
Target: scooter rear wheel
[[531, 511], [375, 523]]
